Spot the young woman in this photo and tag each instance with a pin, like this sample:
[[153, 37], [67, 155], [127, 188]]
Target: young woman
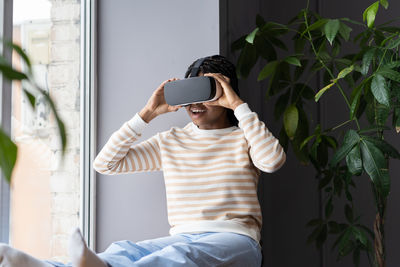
[[211, 168]]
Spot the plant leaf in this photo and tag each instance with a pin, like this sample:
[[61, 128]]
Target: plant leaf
[[8, 155], [344, 31], [353, 160], [268, 70], [250, 37], [331, 28], [351, 138], [383, 146], [370, 14], [366, 61], [322, 91], [384, 3], [379, 90], [293, 60], [375, 166], [31, 98], [291, 120], [390, 74]]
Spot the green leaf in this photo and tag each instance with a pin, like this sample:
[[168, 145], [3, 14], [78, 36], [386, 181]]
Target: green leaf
[[331, 28], [367, 59], [344, 72], [322, 91], [379, 90], [356, 257], [384, 3], [247, 59], [351, 138], [278, 43], [291, 120], [390, 74], [370, 14], [345, 239], [268, 70], [251, 36], [344, 31], [392, 64], [353, 160], [360, 235], [306, 141], [8, 155], [10, 73], [393, 44], [384, 146], [31, 98], [239, 43], [374, 164], [316, 25], [281, 104], [293, 60], [20, 52], [60, 124], [259, 21], [356, 100]]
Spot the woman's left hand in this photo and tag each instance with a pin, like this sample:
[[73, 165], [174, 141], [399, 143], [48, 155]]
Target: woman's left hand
[[228, 99]]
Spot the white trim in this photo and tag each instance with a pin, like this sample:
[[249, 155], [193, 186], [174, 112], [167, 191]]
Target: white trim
[[88, 120]]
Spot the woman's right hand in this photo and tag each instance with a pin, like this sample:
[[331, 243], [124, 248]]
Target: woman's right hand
[[156, 105]]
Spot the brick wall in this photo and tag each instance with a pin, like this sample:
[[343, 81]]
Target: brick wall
[[64, 84]]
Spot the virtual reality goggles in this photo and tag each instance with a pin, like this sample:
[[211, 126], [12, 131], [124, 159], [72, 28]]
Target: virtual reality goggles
[[195, 89]]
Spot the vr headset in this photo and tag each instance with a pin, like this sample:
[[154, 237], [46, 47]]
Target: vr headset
[[195, 89]]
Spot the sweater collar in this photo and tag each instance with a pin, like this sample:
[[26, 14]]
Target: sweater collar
[[212, 131]]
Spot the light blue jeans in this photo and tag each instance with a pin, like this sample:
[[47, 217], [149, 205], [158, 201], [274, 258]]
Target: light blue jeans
[[204, 249]]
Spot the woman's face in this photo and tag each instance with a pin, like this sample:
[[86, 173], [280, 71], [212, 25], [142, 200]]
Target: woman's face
[[208, 116]]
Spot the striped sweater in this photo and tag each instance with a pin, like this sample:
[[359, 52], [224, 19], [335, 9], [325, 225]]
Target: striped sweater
[[210, 176]]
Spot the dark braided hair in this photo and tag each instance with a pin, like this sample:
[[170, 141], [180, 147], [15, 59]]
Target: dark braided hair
[[220, 64]]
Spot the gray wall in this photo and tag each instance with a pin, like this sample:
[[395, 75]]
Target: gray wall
[[290, 197], [141, 44]]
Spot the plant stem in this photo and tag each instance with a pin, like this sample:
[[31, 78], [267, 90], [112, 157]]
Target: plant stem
[[325, 67]]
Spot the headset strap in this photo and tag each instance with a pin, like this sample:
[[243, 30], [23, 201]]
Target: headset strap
[[196, 67]]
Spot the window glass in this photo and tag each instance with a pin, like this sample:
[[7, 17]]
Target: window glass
[[45, 190]]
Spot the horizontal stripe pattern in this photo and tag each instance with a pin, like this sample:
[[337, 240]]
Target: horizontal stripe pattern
[[207, 176]]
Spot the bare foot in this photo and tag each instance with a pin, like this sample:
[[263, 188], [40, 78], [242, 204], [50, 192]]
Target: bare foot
[[80, 254]]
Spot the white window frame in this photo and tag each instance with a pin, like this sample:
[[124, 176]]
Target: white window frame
[[88, 118]]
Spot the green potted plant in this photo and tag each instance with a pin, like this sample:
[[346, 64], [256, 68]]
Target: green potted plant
[[8, 149], [369, 82]]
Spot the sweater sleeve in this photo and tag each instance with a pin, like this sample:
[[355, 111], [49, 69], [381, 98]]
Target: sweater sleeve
[[120, 154], [265, 151]]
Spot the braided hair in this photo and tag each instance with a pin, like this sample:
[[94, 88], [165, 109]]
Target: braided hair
[[220, 64]]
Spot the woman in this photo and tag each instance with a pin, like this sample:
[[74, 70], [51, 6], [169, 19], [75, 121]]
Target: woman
[[211, 168]]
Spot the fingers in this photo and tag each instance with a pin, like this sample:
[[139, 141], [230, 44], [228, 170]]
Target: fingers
[[221, 78]]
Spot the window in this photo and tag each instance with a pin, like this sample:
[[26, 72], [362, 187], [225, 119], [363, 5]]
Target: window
[[45, 194]]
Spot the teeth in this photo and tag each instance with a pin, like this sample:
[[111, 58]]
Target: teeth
[[197, 110]]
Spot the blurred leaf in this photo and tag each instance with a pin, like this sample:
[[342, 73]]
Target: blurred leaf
[[290, 120], [379, 90], [239, 43], [356, 100], [370, 14], [306, 141], [281, 104], [393, 44], [353, 160], [8, 155], [384, 3], [268, 70], [250, 37], [278, 43], [331, 28], [10, 73], [344, 31], [350, 140], [322, 91], [247, 59], [259, 21], [293, 60], [356, 257], [31, 98], [344, 72], [21, 53]]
